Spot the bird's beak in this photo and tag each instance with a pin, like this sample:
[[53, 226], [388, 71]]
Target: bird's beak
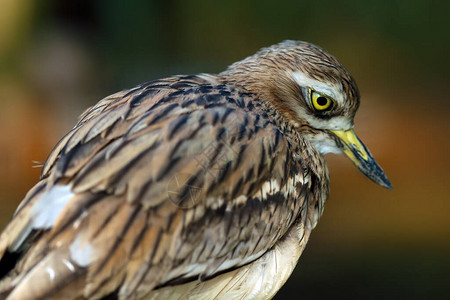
[[352, 146]]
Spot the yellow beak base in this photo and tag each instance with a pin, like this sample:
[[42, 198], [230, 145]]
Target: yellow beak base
[[358, 153]]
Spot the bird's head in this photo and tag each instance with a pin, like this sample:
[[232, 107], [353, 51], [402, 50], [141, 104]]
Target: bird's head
[[315, 92]]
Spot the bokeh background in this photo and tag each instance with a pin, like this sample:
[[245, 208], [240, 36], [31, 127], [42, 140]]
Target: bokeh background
[[59, 57]]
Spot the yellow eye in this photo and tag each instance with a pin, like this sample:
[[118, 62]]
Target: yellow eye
[[320, 102]]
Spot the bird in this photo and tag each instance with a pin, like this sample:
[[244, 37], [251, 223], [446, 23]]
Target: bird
[[199, 186]]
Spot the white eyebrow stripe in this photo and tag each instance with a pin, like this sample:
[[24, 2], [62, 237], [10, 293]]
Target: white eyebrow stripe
[[331, 89]]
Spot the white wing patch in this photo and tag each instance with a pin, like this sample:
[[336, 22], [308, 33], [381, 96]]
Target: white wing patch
[[68, 264], [81, 253], [51, 273], [272, 187], [49, 206]]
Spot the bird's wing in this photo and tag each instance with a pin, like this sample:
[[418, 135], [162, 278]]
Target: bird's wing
[[174, 180]]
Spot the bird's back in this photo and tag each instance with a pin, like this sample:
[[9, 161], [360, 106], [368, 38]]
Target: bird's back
[[163, 190]]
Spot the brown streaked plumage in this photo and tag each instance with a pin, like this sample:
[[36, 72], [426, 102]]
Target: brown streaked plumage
[[202, 186]]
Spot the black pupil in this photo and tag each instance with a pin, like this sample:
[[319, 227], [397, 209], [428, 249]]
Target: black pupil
[[322, 101]]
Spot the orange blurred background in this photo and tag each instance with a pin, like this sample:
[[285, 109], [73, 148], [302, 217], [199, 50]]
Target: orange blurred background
[[59, 57]]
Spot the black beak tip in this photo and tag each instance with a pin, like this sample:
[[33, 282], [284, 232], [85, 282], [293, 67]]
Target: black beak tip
[[378, 176], [372, 170], [387, 184]]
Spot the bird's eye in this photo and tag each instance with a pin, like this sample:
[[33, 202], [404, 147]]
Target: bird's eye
[[319, 102]]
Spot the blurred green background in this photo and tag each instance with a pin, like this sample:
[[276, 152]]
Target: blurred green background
[[58, 57]]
